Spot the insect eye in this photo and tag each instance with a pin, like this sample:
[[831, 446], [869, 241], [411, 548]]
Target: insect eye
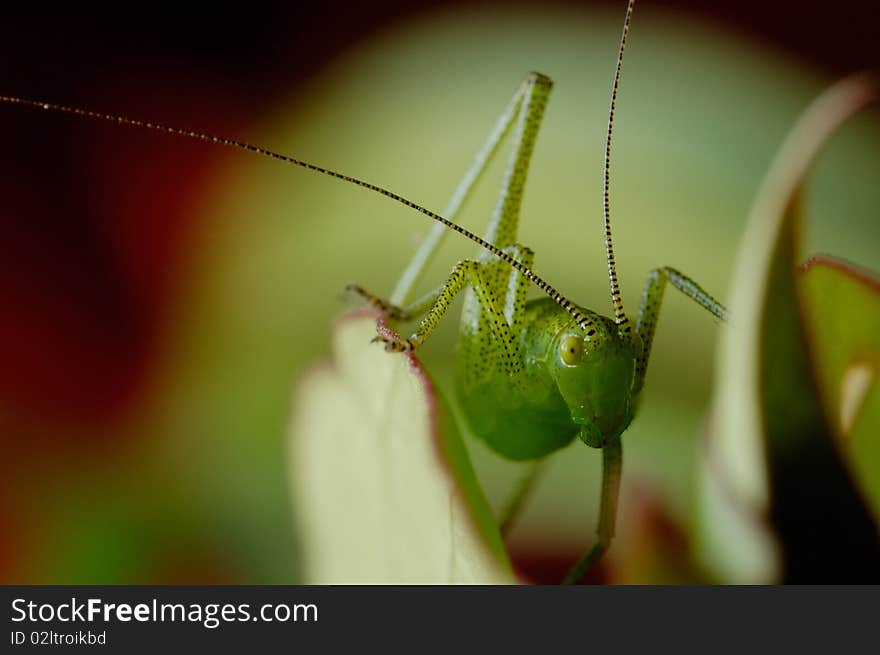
[[572, 350]]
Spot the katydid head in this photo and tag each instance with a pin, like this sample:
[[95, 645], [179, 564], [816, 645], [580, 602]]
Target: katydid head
[[594, 371], [594, 361]]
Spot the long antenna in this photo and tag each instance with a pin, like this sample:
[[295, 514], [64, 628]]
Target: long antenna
[[582, 319], [616, 300]]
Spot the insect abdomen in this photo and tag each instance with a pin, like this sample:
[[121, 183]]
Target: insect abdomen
[[519, 422]]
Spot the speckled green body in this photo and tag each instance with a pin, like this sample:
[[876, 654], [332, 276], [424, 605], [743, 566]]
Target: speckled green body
[[553, 402]]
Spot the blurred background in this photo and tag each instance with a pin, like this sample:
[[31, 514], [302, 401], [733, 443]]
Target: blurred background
[[159, 298]]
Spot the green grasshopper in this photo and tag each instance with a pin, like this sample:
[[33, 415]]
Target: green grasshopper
[[531, 375]]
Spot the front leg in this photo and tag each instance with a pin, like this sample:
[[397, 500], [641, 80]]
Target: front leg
[[466, 272], [652, 298], [403, 314]]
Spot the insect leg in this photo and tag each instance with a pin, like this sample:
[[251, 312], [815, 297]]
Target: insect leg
[[514, 303], [652, 297], [403, 314], [476, 356], [505, 218], [511, 509], [416, 267], [466, 272], [612, 464], [517, 287]]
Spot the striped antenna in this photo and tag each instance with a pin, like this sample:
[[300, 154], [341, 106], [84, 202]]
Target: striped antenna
[[582, 319], [616, 300]]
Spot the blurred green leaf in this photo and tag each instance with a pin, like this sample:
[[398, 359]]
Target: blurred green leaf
[[384, 487], [778, 501], [843, 318]]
